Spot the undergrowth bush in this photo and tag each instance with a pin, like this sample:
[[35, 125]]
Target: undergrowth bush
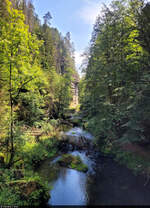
[[33, 153], [29, 190]]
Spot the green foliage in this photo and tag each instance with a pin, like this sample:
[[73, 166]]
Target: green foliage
[[54, 122], [30, 109], [133, 161], [44, 126], [8, 197], [33, 153], [36, 71], [35, 76], [20, 193], [114, 91]]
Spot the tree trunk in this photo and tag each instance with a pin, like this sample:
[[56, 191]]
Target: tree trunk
[[11, 117]]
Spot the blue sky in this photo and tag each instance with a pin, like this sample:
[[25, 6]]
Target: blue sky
[[74, 16]]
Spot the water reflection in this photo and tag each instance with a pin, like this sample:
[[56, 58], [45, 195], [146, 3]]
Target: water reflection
[[69, 188], [109, 184]]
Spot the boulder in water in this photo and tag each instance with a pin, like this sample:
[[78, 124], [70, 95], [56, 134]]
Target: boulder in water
[[73, 162]]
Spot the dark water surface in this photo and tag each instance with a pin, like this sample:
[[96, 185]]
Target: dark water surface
[[105, 183]]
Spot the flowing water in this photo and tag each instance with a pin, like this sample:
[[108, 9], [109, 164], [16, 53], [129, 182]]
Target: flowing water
[[78, 132], [105, 183]]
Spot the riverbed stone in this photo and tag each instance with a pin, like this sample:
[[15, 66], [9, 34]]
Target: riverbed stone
[[76, 141]]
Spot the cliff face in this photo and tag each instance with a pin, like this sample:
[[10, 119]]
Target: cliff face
[[74, 86]]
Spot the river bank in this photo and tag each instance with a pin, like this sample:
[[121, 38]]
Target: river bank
[[106, 183]]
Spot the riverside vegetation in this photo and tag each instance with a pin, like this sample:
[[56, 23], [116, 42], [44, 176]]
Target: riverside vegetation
[[36, 71], [115, 89]]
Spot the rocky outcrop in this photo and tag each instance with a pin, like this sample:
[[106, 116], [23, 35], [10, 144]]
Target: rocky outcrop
[[74, 87], [71, 142]]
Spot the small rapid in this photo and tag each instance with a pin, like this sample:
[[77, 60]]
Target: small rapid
[[79, 132]]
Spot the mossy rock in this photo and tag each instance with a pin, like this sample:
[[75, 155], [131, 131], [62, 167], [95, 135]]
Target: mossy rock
[[73, 162]]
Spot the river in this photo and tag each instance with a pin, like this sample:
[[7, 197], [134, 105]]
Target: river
[[105, 183]]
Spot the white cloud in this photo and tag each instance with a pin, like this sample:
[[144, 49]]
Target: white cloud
[[78, 58], [89, 12]]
